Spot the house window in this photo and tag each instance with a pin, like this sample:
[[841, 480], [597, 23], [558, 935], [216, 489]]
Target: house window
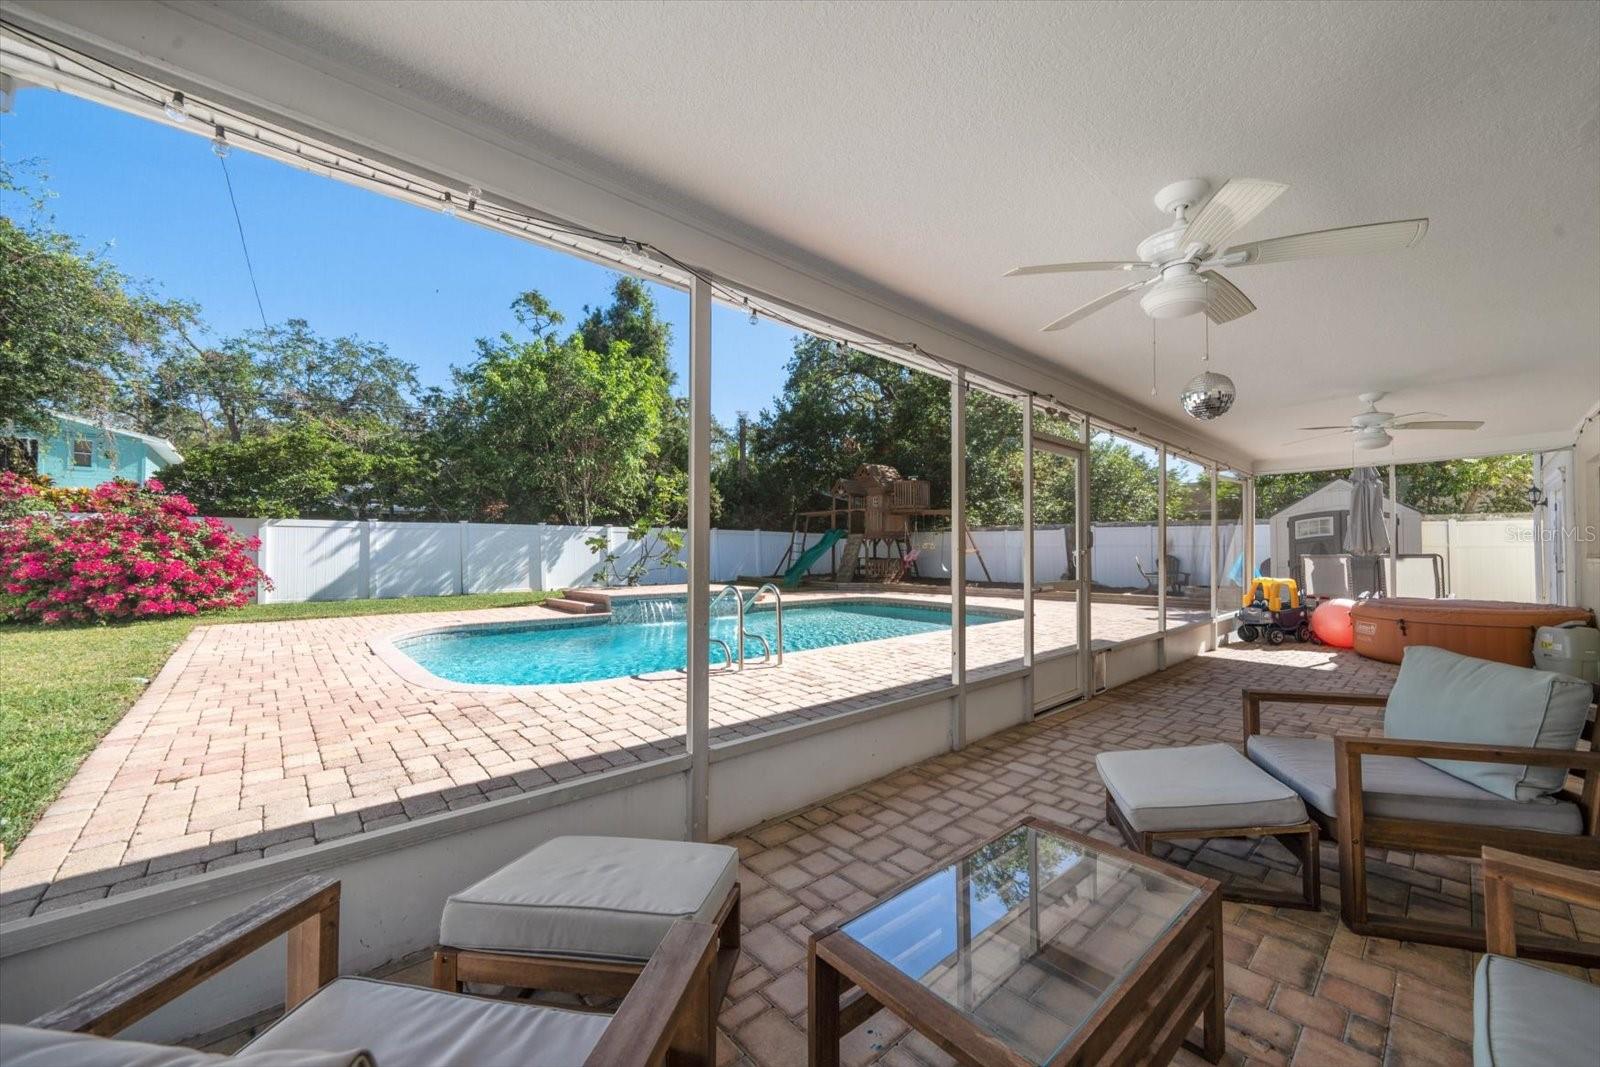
[[82, 453]]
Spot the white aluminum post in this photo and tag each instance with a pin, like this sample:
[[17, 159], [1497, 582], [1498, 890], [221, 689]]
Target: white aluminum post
[[1083, 536], [698, 733], [1247, 500], [1216, 562], [1027, 531], [1161, 554], [958, 557], [1394, 539]]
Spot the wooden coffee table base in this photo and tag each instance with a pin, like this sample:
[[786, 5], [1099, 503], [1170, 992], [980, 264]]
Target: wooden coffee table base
[[1300, 840]]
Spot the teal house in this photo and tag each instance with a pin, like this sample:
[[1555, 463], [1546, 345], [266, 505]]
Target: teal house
[[82, 453]]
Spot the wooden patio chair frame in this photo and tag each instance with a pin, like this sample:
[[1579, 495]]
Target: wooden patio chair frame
[[1355, 830], [661, 1019], [606, 978], [1504, 872]]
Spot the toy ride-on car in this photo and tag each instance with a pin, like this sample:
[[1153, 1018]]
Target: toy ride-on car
[[1273, 609]]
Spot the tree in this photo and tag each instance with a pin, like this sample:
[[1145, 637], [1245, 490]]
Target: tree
[[839, 408], [1467, 486], [541, 429], [302, 470], [75, 332]]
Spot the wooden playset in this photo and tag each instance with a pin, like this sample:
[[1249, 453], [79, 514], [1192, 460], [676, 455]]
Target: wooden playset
[[878, 515]]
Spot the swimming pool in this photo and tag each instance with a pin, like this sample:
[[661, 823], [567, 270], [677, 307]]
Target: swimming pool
[[644, 635]]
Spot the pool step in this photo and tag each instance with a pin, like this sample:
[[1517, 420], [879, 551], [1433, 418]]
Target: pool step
[[577, 607], [590, 596]]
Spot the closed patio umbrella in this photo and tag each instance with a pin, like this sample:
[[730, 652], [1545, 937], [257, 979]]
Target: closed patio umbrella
[[1366, 534]]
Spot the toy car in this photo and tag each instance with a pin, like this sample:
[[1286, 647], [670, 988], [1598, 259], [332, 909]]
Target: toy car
[[1273, 609]]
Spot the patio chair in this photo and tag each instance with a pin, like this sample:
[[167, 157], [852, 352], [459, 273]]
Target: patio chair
[[1475, 754], [330, 1021], [1177, 580], [1522, 1013]]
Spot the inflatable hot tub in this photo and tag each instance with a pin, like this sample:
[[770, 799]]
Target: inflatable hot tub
[[1488, 629]]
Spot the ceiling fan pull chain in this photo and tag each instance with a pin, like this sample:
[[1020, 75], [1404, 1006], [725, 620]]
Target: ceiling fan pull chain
[[1152, 357]]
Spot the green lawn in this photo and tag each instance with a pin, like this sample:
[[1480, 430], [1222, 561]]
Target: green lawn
[[63, 687]]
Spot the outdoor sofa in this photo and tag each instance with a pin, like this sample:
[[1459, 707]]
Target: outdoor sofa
[[1474, 755]]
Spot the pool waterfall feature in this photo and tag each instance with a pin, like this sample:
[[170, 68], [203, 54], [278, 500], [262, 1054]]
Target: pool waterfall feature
[[649, 634]]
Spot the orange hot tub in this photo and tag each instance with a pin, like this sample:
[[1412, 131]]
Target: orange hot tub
[[1488, 629]]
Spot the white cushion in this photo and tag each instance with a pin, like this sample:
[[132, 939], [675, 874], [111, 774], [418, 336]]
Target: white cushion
[[1527, 1016], [26, 1046], [1196, 788], [408, 1026], [592, 897]]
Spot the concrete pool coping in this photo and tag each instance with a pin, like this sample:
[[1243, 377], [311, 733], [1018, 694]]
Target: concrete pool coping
[[387, 647]]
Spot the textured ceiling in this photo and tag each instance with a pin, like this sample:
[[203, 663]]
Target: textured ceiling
[[927, 148]]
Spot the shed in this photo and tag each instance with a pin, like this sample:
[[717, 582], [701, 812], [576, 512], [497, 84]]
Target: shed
[[1315, 524]]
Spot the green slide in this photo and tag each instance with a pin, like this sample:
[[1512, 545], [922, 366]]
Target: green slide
[[792, 576]]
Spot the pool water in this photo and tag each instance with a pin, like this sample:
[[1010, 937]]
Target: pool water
[[649, 634]]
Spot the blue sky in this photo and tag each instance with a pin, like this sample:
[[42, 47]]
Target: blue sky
[[348, 260]]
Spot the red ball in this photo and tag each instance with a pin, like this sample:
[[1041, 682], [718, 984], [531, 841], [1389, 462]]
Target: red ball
[[1331, 623]]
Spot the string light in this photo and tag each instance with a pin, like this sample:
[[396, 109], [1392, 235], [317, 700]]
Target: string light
[[219, 145], [449, 206], [177, 108], [473, 195], [755, 320]]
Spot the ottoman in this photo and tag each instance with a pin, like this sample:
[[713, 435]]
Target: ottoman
[[584, 914], [1208, 791]]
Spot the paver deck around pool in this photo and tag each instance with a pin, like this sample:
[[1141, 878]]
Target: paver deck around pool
[[256, 739]]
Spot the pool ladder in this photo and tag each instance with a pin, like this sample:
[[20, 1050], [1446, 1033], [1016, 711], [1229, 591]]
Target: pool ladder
[[735, 657]]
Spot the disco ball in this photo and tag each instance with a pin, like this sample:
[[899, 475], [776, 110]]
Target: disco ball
[[1208, 395]]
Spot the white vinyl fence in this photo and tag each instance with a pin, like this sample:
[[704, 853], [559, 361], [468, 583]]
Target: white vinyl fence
[[1486, 557], [321, 559]]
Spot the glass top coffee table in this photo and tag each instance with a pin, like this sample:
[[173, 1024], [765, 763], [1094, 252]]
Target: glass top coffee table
[[1041, 946]]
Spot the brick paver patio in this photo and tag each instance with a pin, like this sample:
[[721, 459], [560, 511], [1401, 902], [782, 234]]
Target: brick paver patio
[[1301, 988], [256, 739]]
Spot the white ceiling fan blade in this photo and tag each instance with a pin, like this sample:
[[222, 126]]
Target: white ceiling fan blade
[[1065, 268], [1095, 305], [1235, 204], [1320, 436], [1339, 429], [1437, 424], [1224, 301], [1344, 241]]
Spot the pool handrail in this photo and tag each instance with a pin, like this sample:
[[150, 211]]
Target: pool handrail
[[778, 612], [738, 631], [727, 653]]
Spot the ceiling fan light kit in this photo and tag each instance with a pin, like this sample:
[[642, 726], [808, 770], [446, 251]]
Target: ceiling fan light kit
[[1180, 292]]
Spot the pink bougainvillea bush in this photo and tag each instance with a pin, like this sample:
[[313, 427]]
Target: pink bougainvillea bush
[[118, 551]]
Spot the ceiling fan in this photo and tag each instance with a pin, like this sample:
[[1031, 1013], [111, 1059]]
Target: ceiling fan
[[1182, 260], [1373, 428]]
